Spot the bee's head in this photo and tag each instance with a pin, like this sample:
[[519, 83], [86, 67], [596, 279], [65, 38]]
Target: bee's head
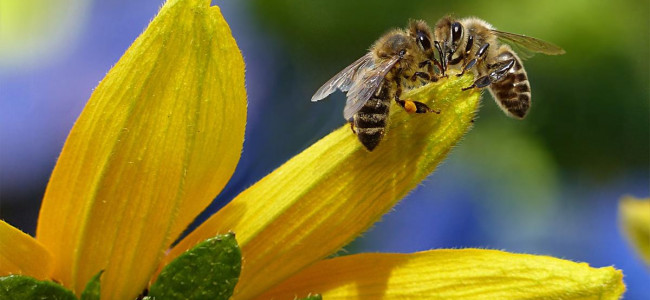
[[449, 32], [393, 44], [421, 33]]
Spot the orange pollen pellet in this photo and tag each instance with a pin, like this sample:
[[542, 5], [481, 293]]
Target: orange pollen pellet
[[409, 106]]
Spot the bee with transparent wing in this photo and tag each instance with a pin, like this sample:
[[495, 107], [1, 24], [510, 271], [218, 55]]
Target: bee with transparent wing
[[400, 59], [472, 44]]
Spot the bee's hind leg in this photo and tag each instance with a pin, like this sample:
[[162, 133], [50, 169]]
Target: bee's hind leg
[[412, 106], [415, 106], [352, 127], [498, 72]]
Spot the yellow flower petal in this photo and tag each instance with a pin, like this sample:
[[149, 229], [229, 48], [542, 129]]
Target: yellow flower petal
[[634, 215], [452, 274], [22, 254], [327, 195], [157, 141]]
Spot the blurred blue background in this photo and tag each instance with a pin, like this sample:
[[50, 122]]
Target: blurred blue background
[[548, 185]]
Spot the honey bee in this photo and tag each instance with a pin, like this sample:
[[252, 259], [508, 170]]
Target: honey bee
[[400, 59], [473, 44]]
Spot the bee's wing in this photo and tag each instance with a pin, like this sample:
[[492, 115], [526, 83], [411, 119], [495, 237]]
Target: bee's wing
[[366, 85], [529, 45], [343, 79]]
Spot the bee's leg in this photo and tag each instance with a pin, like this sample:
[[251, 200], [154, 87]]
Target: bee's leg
[[352, 127], [500, 70], [497, 72], [422, 75], [469, 45], [408, 105], [468, 66], [415, 106], [481, 82], [430, 74], [480, 54]]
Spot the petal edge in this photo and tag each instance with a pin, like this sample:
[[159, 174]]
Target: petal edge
[[452, 274], [22, 254]]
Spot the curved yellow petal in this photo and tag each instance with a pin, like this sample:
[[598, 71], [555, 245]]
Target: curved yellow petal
[[327, 195], [634, 215], [22, 254], [452, 274], [157, 141]]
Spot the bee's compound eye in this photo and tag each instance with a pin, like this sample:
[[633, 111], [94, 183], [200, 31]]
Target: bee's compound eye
[[456, 32], [423, 41], [402, 52]]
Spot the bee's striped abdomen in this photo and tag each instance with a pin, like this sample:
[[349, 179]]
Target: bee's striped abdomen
[[371, 120], [512, 92]]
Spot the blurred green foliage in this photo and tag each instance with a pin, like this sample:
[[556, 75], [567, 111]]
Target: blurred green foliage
[[590, 108], [34, 31]]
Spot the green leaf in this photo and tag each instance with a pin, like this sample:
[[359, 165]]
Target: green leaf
[[210, 270], [92, 290], [313, 297], [18, 287]]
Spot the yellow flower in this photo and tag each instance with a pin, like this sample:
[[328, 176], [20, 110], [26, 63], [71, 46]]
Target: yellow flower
[[162, 134], [634, 215]]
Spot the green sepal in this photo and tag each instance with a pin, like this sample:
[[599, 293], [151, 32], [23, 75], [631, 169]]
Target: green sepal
[[19, 287], [92, 290], [210, 270]]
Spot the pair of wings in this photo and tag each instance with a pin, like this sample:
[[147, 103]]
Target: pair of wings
[[360, 80], [363, 77]]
